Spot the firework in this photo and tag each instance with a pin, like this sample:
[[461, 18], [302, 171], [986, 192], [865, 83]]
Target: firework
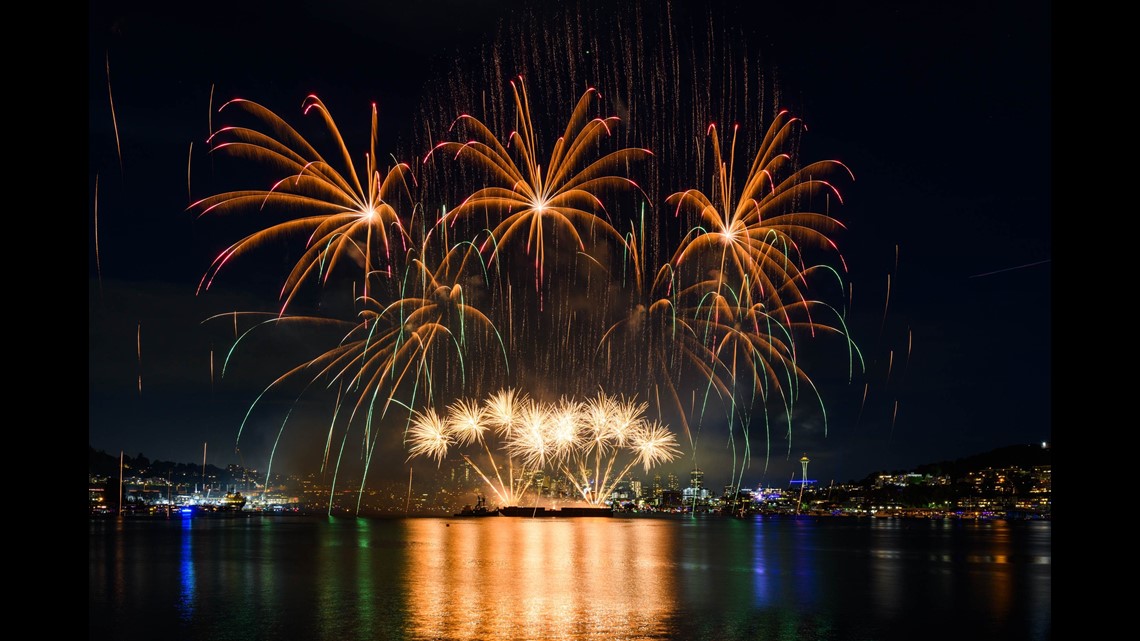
[[429, 436], [709, 315], [734, 297], [342, 217], [592, 443], [611, 443], [564, 196], [467, 424], [503, 410], [752, 239]]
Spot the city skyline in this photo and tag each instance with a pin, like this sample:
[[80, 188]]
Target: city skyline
[[947, 134], [672, 477]]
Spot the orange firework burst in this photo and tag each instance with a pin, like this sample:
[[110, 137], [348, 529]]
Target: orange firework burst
[[535, 200], [343, 216], [754, 238]]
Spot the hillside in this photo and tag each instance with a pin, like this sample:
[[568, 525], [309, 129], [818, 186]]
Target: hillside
[[1022, 456]]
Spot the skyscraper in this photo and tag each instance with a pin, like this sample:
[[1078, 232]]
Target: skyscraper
[[696, 478]]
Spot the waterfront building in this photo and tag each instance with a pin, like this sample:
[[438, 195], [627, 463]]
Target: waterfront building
[[671, 500], [695, 495]]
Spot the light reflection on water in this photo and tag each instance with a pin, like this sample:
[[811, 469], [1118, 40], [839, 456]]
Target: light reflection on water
[[186, 569], [621, 578], [538, 579]]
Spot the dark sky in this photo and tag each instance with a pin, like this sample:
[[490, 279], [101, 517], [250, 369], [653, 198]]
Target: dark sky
[[941, 110]]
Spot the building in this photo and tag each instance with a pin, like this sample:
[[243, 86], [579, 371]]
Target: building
[[696, 478]]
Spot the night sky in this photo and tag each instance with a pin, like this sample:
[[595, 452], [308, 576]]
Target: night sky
[[942, 111]]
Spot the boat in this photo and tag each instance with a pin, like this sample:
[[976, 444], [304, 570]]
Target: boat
[[480, 509], [232, 501], [573, 510], [522, 510]]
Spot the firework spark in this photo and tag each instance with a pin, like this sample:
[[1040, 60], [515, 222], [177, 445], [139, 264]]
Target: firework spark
[[114, 120], [138, 352], [98, 263]]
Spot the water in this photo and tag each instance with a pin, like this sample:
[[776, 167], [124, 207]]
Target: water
[[574, 579]]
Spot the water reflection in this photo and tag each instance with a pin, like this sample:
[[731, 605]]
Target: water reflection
[[762, 579], [991, 571], [508, 579], [186, 572], [355, 593], [886, 566], [761, 570], [502, 579]]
